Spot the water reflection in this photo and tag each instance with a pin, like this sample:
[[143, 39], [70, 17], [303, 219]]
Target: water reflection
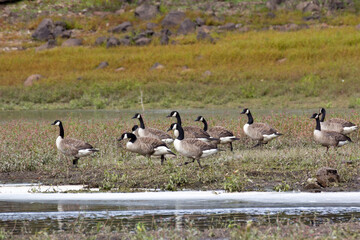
[[62, 216]]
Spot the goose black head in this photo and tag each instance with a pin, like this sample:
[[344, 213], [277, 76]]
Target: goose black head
[[315, 115], [57, 122], [137, 115], [245, 111], [199, 119], [134, 128], [173, 114], [173, 126], [322, 110], [127, 135]]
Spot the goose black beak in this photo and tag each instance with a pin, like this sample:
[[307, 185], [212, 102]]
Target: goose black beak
[[53, 124], [169, 129], [133, 117], [119, 139], [168, 116]]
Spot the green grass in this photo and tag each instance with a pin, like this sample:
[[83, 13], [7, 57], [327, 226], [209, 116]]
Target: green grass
[[320, 67]]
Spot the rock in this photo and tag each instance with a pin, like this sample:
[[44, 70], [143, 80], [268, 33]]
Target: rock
[[66, 34], [100, 40], [102, 65], [164, 37], [146, 11], [308, 7], [125, 26], [282, 60], [58, 31], [61, 24], [44, 31], [50, 44], [199, 21], [203, 35], [120, 69], [274, 4], [125, 41], [173, 19], [244, 29], [207, 73], [334, 5], [72, 42], [326, 175], [312, 186], [120, 12], [112, 42], [157, 66], [187, 26], [32, 79], [151, 26], [143, 41], [228, 27]]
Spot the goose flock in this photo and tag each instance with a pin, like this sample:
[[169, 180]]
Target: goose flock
[[195, 143]]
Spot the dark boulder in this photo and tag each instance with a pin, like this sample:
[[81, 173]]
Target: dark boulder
[[44, 31], [146, 11], [112, 42], [199, 21], [125, 26], [102, 65], [173, 19], [187, 26], [125, 41], [151, 26], [325, 176], [72, 42], [50, 44], [143, 41], [100, 40], [228, 27]]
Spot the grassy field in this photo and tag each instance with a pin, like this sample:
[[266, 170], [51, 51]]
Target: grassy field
[[262, 69], [28, 154]]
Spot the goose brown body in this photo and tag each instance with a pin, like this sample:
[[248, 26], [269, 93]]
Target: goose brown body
[[336, 124], [146, 146]]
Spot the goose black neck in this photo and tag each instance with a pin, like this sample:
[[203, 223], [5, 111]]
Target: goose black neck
[[250, 118], [181, 132], [178, 118], [317, 124], [61, 130], [142, 125], [205, 125], [132, 137], [323, 113]]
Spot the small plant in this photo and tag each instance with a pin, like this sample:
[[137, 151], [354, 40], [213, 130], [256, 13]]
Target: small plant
[[282, 187], [235, 182], [175, 181]]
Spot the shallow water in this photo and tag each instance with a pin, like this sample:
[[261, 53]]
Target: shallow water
[[63, 211]]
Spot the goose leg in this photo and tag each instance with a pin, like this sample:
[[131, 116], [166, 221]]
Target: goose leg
[[258, 144], [198, 160], [75, 162], [162, 159], [231, 146]]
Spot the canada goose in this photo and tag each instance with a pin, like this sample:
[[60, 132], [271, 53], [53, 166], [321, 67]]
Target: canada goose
[[191, 131], [191, 147], [152, 132], [218, 132], [328, 138], [72, 147], [146, 146], [261, 132], [336, 124]]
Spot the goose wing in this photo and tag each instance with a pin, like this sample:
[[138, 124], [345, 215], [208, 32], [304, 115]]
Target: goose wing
[[73, 146], [343, 122], [195, 132], [338, 136], [264, 129], [218, 132], [160, 134]]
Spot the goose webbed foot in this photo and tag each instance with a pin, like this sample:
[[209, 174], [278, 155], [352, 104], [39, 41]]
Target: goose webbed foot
[[231, 146], [257, 145]]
